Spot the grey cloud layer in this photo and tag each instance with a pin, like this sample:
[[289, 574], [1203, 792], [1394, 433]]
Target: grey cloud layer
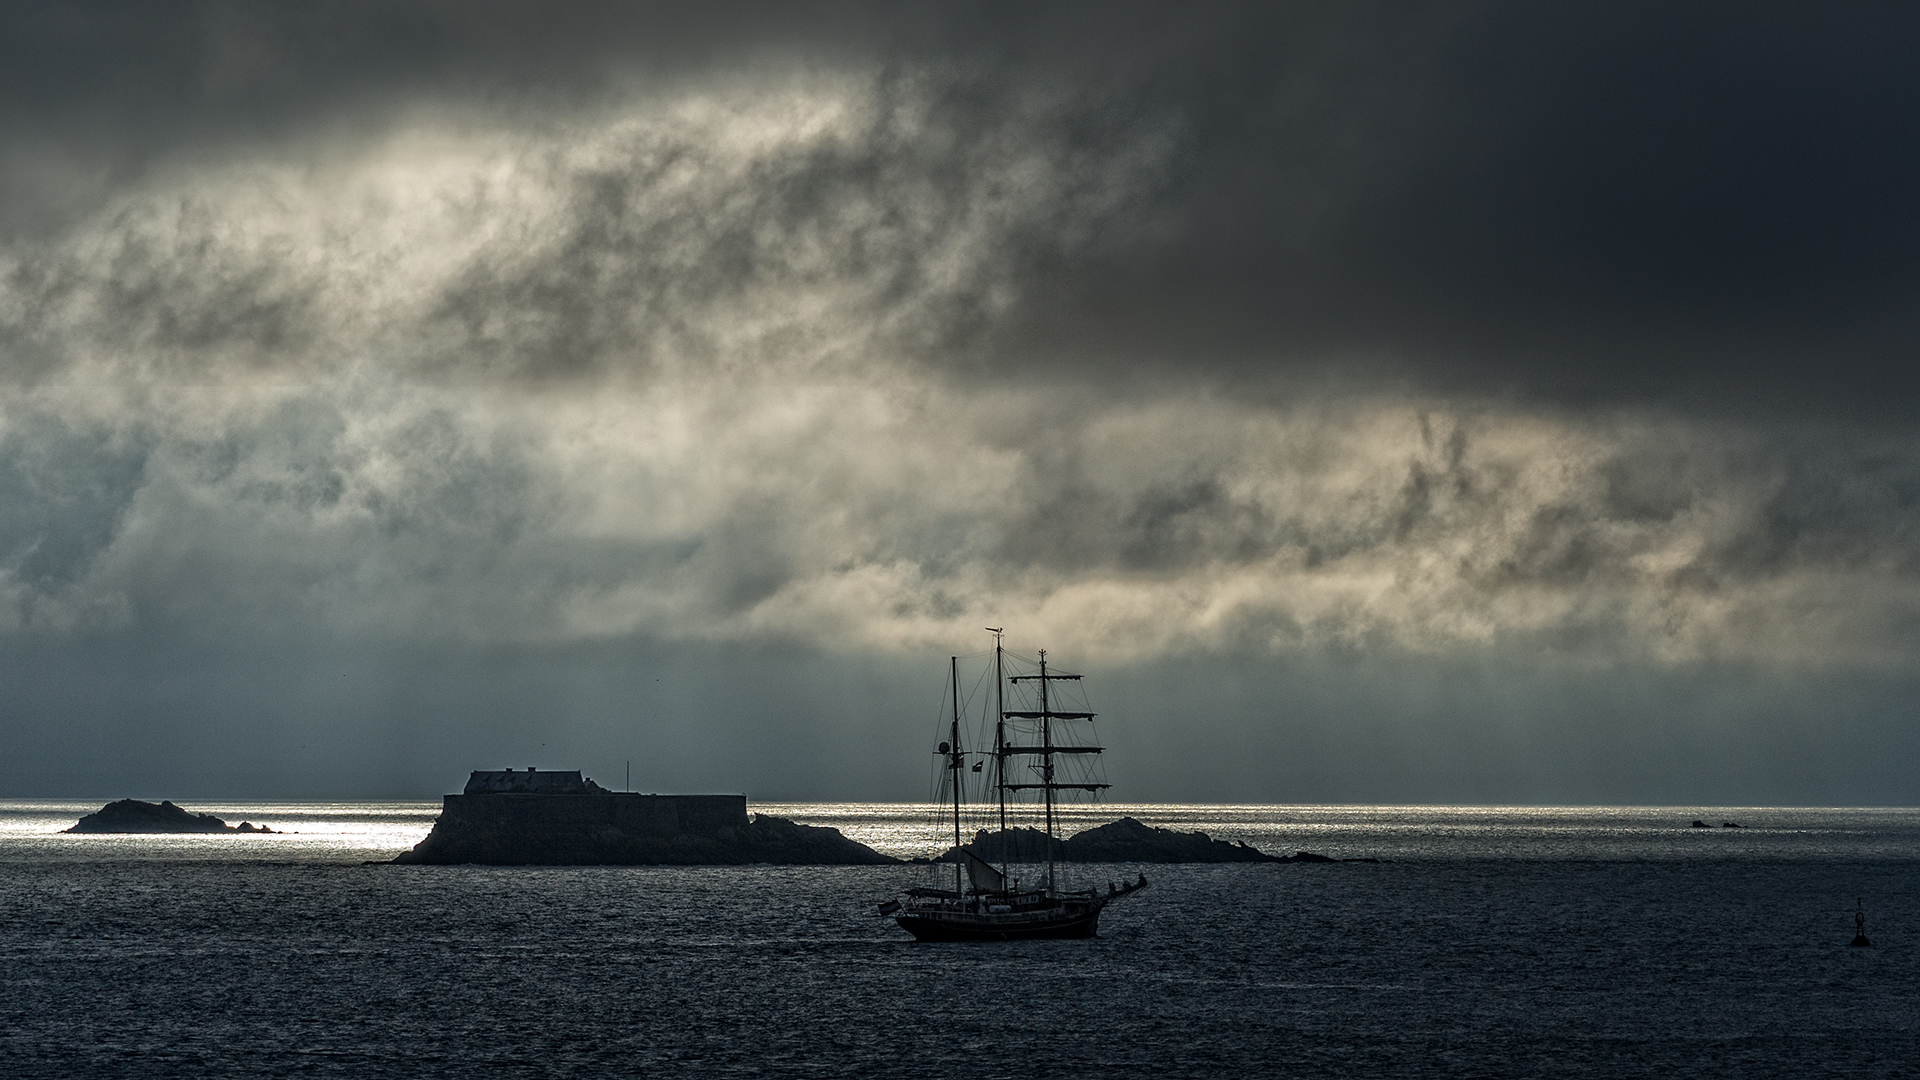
[[901, 517], [804, 225], [683, 363], [1626, 203]]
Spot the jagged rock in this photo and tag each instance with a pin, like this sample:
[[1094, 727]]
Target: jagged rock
[[134, 816], [1125, 840], [1129, 840]]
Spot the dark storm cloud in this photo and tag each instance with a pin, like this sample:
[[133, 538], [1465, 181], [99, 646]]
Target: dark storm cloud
[[1614, 202], [1621, 203], [1423, 208], [784, 220]]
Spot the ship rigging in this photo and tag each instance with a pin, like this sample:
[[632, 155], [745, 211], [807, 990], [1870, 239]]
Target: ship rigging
[[1030, 745]]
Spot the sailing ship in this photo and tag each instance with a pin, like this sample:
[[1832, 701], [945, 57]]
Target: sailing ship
[[987, 901]]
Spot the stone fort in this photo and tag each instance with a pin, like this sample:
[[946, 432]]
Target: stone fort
[[510, 800]]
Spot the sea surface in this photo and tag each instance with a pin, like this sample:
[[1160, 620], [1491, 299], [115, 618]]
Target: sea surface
[[1485, 942]]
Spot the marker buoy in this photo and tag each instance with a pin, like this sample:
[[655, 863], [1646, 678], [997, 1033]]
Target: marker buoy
[[1859, 923]]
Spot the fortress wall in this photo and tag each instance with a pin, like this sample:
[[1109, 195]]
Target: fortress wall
[[644, 815]]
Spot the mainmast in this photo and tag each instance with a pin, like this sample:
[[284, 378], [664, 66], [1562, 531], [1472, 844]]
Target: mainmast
[[1000, 742], [1046, 759], [954, 763]]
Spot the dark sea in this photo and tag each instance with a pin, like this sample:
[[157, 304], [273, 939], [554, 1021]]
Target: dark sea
[[1487, 942]]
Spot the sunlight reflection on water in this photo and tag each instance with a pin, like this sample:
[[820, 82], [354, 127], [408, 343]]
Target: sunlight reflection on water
[[302, 831], [355, 831], [1427, 832]]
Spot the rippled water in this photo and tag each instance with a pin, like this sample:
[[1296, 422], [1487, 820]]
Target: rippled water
[[1496, 942]]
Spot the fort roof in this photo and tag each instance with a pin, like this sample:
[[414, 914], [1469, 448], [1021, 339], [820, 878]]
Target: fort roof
[[531, 782]]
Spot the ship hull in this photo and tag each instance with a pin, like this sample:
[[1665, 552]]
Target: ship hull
[[1078, 921]]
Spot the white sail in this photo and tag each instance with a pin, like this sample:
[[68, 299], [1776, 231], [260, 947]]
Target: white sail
[[985, 878]]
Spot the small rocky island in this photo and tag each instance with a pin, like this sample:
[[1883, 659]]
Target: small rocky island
[[134, 816], [555, 818], [1127, 840]]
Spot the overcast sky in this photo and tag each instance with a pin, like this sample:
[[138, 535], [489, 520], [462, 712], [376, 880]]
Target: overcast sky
[[1448, 403]]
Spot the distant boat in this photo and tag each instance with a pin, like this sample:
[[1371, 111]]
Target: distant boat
[[986, 901]]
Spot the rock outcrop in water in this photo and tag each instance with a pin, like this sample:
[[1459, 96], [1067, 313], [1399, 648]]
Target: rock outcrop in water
[[531, 819], [1124, 841], [134, 816]]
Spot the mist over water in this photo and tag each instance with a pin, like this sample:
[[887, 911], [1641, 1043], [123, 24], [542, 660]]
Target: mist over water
[[1508, 941]]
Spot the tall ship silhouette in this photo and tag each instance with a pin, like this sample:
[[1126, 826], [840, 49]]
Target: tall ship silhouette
[[1008, 885]]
